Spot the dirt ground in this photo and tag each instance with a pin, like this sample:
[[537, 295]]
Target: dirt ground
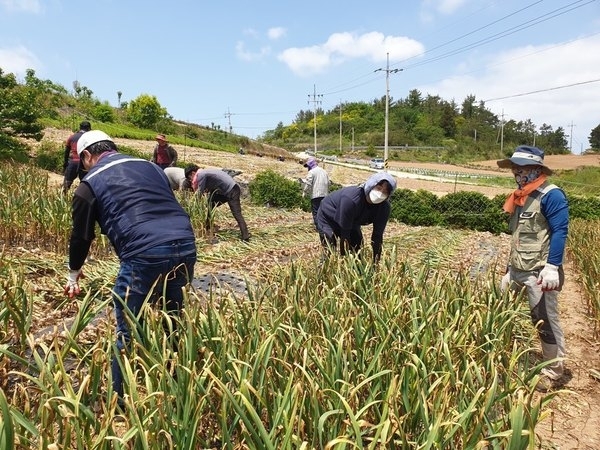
[[574, 422], [574, 417]]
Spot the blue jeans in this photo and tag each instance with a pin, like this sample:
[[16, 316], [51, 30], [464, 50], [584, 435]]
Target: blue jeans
[[165, 268]]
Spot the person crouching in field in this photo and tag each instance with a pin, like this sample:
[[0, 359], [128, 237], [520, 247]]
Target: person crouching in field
[[539, 223], [220, 188], [177, 179], [343, 212], [131, 200]]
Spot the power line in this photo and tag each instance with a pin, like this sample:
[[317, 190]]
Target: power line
[[475, 30], [515, 29], [526, 55], [542, 90], [486, 40]]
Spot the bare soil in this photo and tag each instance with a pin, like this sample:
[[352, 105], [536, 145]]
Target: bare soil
[[573, 421]]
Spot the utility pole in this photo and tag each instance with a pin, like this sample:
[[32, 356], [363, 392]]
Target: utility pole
[[502, 134], [316, 99], [352, 139], [571, 139], [228, 117], [340, 127], [387, 107]]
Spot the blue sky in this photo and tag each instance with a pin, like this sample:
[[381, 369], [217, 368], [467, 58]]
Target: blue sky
[[255, 63]]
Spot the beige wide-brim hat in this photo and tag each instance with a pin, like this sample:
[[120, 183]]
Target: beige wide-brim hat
[[525, 155]]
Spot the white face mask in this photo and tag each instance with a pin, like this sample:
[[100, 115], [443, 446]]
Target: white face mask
[[377, 197]]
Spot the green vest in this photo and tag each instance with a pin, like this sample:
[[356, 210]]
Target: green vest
[[530, 236]]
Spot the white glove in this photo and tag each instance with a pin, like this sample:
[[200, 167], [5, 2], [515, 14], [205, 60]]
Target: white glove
[[72, 287], [505, 282], [548, 278]]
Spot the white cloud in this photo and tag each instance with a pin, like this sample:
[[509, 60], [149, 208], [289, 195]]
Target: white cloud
[[305, 61], [246, 55], [250, 32], [17, 60], [341, 47], [443, 6], [543, 68], [276, 33], [30, 6]]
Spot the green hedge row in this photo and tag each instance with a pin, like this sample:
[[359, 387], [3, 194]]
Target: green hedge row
[[471, 210]]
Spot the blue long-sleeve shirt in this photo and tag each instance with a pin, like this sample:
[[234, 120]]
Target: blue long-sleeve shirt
[[555, 208]]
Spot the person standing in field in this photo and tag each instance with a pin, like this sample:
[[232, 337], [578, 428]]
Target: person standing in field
[[164, 155], [152, 235], [220, 188], [539, 223], [316, 184], [71, 166], [343, 212]]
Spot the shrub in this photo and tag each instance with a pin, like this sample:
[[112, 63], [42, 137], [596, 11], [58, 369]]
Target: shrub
[[415, 208], [584, 207], [50, 156], [468, 210], [104, 113], [270, 188], [11, 148]]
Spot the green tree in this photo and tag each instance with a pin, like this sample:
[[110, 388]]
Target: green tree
[[145, 111], [553, 142], [468, 107], [104, 112], [595, 138], [447, 122], [19, 114], [49, 96]]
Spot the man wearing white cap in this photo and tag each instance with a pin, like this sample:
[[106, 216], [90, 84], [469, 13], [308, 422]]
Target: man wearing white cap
[[539, 222], [131, 200]]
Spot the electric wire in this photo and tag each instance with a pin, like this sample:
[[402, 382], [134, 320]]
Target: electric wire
[[542, 90], [509, 31]]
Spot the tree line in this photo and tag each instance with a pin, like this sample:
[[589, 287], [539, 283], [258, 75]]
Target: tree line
[[468, 130], [464, 132]]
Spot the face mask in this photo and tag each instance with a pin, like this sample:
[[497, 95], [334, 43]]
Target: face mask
[[524, 176], [377, 197]]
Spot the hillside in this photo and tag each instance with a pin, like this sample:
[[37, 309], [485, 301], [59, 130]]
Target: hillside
[[434, 177]]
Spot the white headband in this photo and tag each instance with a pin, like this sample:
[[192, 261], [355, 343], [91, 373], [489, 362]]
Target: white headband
[[524, 155]]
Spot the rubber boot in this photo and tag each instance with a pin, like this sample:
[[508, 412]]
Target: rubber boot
[[555, 370]]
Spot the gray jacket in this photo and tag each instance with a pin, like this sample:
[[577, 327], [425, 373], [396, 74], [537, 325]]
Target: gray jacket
[[316, 183]]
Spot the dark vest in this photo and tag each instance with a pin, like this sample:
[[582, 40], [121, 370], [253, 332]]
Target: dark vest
[[137, 209]]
